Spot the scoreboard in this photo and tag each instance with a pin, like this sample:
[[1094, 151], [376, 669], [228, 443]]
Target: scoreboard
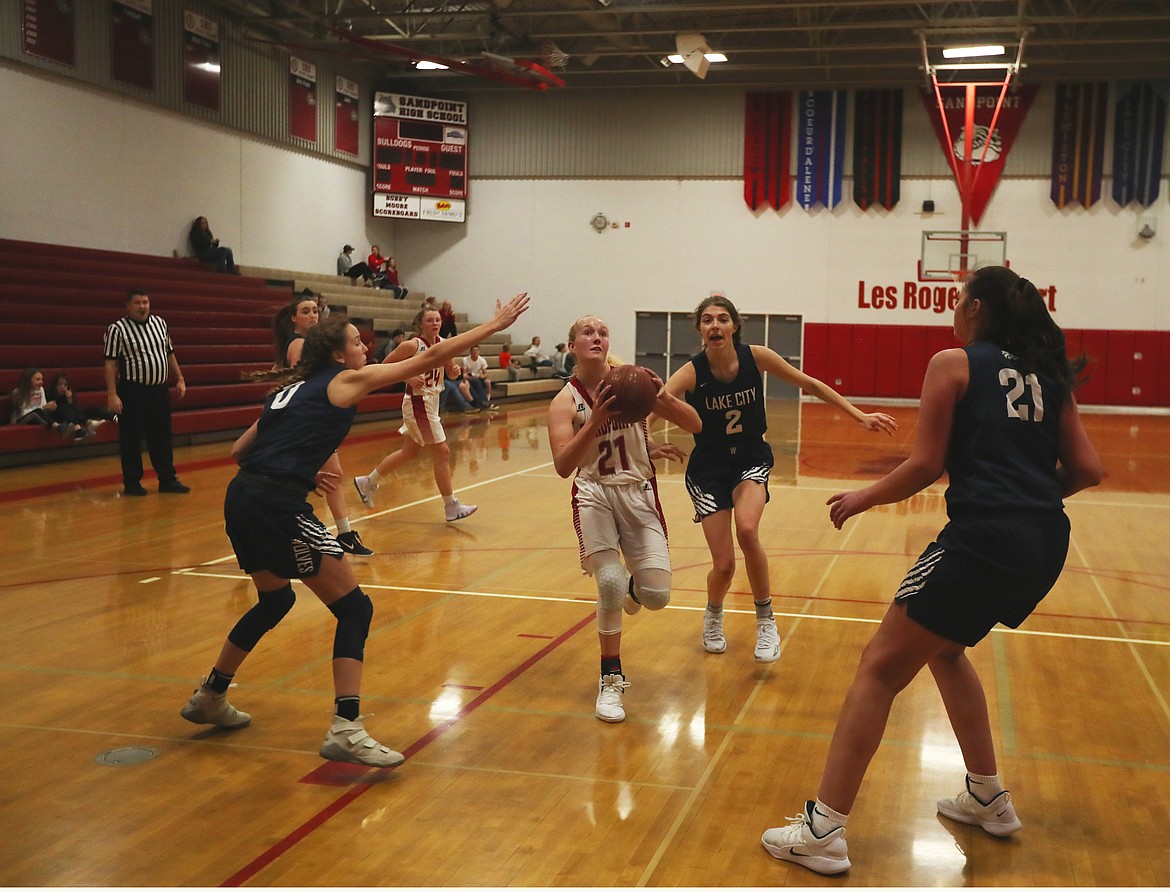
[[419, 157]]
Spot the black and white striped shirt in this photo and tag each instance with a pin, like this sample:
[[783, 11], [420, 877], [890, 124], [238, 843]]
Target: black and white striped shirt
[[141, 349]]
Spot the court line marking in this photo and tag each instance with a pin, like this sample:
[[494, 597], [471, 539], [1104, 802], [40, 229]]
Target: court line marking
[[375, 586], [275, 851], [376, 514], [1153, 686]]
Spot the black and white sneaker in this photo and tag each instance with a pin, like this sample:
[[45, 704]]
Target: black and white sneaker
[[351, 543]]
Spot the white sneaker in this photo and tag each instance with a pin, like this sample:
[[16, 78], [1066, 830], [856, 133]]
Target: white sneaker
[[349, 742], [767, 641], [458, 511], [629, 605], [206, 707], [714, 641], [797, 843], [609, 698], [998, 817], [365, 489]]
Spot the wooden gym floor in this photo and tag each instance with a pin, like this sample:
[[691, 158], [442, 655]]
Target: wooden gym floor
[[482, 665]]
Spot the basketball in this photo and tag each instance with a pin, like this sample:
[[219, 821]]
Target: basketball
[[635, 392]]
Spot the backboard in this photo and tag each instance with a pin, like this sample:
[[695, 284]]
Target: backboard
[[949, 255]]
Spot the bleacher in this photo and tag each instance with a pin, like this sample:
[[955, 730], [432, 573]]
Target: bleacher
[[60, 300], [384, 314]]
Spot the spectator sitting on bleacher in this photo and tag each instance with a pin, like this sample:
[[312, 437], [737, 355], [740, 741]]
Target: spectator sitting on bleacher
[[400, 291], [207, 248], [512, 365], [447, 327], [454, 396], [559, 360], [29, 405], [322, 305], [377, 264], [387, 348], [475, 374], [67, 411], [534, 356], [346, 267]]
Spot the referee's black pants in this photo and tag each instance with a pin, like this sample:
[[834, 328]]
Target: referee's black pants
[[146, 412]]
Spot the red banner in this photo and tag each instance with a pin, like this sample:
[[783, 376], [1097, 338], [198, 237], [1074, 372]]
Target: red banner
[[767, 149], [978, 177], [302, 99], [877, 148], [345, 116], [48, 30], [132, 43], [201, 68]]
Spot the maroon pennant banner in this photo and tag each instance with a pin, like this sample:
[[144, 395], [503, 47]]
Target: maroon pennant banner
[[877, 148], [767, 149], [990, 147]]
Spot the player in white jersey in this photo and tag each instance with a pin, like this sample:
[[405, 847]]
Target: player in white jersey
[[615, 498], [421, 427]]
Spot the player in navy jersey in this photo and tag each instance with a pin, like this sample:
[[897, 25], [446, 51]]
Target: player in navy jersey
[[615, 498], [276, 536], [999, 417], [727, 474], [289, 327]]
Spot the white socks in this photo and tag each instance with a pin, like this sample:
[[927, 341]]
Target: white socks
[[984, 787], [825, 820], [375, 478]]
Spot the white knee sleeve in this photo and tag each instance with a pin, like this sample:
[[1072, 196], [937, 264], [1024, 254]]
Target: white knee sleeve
[[612, 582], [652, 588]]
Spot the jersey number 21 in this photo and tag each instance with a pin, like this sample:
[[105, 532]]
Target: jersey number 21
[[1012, 379]]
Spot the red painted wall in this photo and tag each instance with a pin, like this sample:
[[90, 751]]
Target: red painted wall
[[1126, 368]]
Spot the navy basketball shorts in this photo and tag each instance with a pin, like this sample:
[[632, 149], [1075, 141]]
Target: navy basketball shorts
[[985, 571], [273, 528], [711, 480]]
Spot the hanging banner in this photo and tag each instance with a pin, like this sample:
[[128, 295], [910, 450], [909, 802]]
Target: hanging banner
[[877, 148], [1078, 143], [47, 27], [201, 67], [302, 99], [1139, 125], [820, 147], [132, 43], [345, 116], [767, 148], [989, 150]]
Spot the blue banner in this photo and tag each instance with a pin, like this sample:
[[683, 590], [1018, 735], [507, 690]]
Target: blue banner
[[1139, 125], [820, 147]]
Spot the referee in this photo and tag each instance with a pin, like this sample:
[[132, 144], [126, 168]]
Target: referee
[[139, 358]]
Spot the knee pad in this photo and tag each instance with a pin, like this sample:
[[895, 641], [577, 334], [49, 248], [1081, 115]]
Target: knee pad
[[653, 598], [652, 588], [354, 613], [612, 585], [269, 610]]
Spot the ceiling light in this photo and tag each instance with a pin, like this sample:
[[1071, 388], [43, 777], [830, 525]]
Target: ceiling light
[[426, 65], [960, 52], [710, 57]]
